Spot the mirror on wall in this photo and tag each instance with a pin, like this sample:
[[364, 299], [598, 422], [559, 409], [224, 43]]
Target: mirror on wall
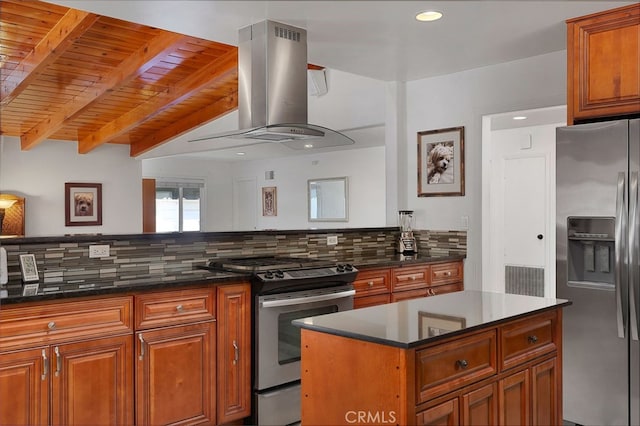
[[328, 199]]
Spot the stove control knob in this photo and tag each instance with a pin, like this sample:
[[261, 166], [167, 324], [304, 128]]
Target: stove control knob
[[268, 275], [279, 274], [348, 267], [340, 268]]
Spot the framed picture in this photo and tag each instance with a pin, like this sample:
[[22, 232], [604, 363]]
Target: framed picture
[[83, 204], [269, 201], [441, 162], [431, 325], [29, 268]]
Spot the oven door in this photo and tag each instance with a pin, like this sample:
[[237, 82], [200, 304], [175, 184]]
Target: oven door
[[278, 341]]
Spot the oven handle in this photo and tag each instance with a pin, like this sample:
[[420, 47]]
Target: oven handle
[[306, 299]]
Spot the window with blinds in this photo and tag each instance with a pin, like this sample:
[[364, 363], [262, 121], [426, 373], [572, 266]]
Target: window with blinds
[[179, 205]]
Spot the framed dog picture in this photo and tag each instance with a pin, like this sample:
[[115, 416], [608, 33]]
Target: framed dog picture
[[83, 204], [441, 162]]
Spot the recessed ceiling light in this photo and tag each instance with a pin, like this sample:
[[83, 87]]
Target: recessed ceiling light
[[428, 15], [519, 117], [240, 153], [308, 145]]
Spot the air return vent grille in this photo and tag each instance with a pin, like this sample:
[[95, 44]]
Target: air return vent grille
[[287, 33]]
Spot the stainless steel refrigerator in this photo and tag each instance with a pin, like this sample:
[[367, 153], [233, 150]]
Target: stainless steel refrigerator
[[597, 222]]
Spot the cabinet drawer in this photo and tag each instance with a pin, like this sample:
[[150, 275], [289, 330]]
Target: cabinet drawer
[[443, 273], [526, 339], [174, 307], [410, 278], [53, 322], [364, 301], [447, 288], [449, 366], [372, 282], [409, 294]]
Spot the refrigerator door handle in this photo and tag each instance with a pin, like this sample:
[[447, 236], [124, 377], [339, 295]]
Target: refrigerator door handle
[[620, 254], [634, 253]]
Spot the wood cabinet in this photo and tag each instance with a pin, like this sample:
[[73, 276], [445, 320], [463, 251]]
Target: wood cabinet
[[494, 375], [234, 352], [383, 285], [175, 357], [603, 64], [67, 363]]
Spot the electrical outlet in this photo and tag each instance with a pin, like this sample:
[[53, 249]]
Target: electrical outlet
[[465, 222], [99, 251], [332, 240]]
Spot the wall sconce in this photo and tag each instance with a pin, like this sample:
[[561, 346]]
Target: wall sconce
[[11, 215]]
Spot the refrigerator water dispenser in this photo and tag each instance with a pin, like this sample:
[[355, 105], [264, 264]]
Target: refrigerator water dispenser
[[590, 258]]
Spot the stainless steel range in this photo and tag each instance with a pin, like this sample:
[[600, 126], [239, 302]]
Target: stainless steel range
[[285, 289]]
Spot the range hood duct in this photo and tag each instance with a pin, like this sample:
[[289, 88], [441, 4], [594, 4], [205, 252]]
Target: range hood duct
[[272, 90]]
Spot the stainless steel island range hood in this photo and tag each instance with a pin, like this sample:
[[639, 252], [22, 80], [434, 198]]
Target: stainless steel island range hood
[[272, 91]]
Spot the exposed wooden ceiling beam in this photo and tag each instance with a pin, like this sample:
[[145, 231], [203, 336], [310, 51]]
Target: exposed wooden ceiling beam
[[72, 25], [187, 88], [203, 116], [141, 60]]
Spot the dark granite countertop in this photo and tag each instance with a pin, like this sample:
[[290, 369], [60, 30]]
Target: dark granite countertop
[[414, 322], [173, 277]]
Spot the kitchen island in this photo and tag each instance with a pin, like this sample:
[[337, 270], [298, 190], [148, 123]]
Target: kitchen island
[[461, 358]]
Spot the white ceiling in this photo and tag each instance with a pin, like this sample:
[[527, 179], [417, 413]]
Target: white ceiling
[[376, 39]]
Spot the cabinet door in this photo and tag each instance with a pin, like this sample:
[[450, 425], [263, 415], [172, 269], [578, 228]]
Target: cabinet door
[[603, 64], [480, 407], [445, 414], [92, 382], [24, 387], [545, 398], [175, 375], [514, 399], [364, 301], [234, 352]]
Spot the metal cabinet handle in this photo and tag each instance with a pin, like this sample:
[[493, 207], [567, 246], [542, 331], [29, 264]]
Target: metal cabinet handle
[[532, 339], [370, 283], [141, 356], [448, 273], [51, 325], [58, 361], [412, 278], [45, 365], [462, 363], [179, 308], [236, 353]]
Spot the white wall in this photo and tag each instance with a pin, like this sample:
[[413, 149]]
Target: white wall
[[363, 167], [39, 175], [461, 99], [218, 185]]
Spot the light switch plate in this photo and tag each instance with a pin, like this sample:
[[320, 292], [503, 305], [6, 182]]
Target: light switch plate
[[332, 240]]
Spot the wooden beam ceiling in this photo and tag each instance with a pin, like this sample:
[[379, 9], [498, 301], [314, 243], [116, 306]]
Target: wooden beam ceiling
[[90, 79]]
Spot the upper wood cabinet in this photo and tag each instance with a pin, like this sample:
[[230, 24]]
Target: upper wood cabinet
[[603, 71]]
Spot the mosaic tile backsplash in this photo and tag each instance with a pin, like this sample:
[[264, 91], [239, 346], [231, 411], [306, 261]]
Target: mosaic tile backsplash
[[133, 256]]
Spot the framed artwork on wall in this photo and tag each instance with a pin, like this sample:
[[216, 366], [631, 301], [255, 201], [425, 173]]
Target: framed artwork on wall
[[269, 201], [83, 204], [441, 162]]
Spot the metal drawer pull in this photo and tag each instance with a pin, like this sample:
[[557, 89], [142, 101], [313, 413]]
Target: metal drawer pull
[[58, 361], [448, 273], [45, 365], [370, 283], [462, 363], [51, 325], [236, 353], [141, 356], [533, 339], [179, 308], [413, 277]]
